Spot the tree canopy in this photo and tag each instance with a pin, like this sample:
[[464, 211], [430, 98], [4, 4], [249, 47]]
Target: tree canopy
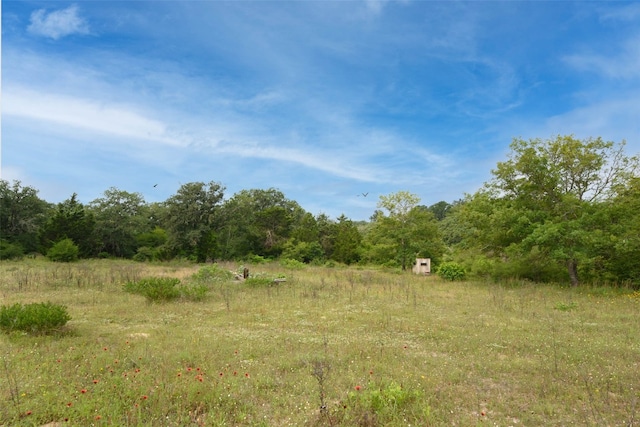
[[561, 209]]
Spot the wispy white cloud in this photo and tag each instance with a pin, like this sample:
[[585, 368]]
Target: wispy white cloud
[[83, 113], [57, 24], [625, 64], [626, 13]]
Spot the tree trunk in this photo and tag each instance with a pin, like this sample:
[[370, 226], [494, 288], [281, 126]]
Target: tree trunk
[[572, 267]]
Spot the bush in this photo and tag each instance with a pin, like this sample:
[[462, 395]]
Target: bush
[[163, 289], [63, 251], [292, 263], [155, 289], [143, 254], [213, 273], [385, 403], [11, 250], [451, 271], [36, 318]]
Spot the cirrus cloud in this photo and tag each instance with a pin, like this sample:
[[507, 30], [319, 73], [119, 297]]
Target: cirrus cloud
[[57, 24]]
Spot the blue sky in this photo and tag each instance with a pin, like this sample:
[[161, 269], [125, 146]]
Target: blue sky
[[324, 100]]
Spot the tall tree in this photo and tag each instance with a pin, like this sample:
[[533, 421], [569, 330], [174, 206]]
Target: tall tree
[[120, 217], [71, 220], [193, 218], [346, 241], [402, 230], [22, 213], [555, 185], [258, 222]]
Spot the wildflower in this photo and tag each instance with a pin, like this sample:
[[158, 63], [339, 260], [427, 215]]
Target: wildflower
[[221, 374], [179, 374], [98, 417], [235, 372], [246, 374], [95, 381], [105, 349], [83, 391], [145, 397], [358, 388], [28, 413], [189, 369], [370, 372], [483, 413], [69, 404]]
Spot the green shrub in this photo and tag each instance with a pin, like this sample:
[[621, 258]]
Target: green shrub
[[144, 253], [155, 289], [212, 273], [292, 263], [11, 250], [163, 289], [193, 291], [256, 259], [63, 251], [36, 318], [385, 403], [451, 271]]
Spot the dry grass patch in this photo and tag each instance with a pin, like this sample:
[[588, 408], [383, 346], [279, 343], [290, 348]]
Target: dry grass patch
[[327, 347]]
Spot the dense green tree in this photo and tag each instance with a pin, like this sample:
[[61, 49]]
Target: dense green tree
[[258, 222], [556, 185], [22, 214], [71, 220], [402, 230], [346, 241], [120, 217], [193, 218], [440, 210]]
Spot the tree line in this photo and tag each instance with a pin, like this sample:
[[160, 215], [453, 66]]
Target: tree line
[[560, 209]]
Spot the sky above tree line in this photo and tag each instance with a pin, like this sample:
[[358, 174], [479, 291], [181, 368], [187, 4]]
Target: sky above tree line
[[327, 101]]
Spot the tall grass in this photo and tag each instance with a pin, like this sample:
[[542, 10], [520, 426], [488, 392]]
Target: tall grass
[[328, 347]]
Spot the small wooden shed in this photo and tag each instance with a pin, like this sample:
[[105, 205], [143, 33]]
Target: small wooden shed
[[422, 266]]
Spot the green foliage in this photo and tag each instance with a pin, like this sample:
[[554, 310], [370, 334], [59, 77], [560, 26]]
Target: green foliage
[[260, 281], [451, 271], [562, 306], [292, 263], [155, 289], [35, 318], [63, 251], [256, 259], [384, 403], [71, 220], [406, 229], [304, 252], [211, 274], [165, 289], [22, 213], [10, 250], [144, 253]]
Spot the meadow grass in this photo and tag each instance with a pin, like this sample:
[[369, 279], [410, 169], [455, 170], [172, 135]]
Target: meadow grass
[[326, 347]]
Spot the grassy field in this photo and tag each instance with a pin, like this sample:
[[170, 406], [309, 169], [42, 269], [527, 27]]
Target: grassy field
[[327, 347]]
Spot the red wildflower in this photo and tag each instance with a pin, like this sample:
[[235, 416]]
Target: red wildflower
[[145, 397], [83, 391], [28, 413], [358, 388], [95, 381], [69, 404], [246, 374]]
